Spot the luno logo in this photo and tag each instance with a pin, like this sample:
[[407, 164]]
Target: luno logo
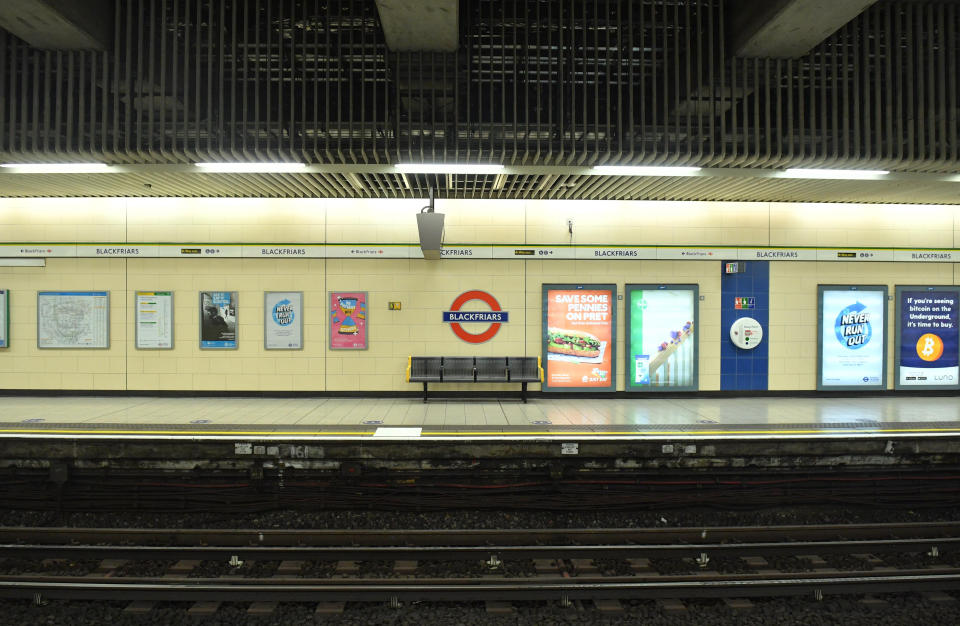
[[495, 316]]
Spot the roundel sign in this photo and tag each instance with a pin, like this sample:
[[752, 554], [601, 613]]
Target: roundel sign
[[495, 316]]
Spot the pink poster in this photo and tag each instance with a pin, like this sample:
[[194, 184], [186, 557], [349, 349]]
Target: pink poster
[[348, 320]]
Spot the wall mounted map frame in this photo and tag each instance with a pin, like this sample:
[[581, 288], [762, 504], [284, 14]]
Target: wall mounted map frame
[[68, 320]]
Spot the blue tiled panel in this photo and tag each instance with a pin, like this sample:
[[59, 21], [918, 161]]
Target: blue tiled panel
[[744, 370]]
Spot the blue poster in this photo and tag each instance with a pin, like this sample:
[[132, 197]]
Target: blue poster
[[852, 337], [928, 351], [218, 319]]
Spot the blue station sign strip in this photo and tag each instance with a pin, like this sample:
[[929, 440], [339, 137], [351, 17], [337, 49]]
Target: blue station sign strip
[[488, 317]]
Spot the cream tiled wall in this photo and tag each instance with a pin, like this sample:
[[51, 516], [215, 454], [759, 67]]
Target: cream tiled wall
[[425, 288], [793, 310]]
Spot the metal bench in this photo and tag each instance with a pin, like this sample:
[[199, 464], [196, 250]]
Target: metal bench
[[481, 369]]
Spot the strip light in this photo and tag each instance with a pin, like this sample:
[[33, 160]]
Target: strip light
[[449, 168], [644, 170], [57, 168], [251, 168], [834, 174]]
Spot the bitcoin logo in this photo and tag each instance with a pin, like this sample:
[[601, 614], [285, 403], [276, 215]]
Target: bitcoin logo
[[929, 347]]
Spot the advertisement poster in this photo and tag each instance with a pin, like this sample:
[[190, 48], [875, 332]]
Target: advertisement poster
[[154, 320], [218, 319], [348, 320], [662, 349], [283, 320], [4, 318], [928, 339], [579, 342], [852, 337], [73, 319]]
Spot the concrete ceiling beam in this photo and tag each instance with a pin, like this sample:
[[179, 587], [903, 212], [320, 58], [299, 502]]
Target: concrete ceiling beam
[[60, 24], [786, 29], [427, 25]]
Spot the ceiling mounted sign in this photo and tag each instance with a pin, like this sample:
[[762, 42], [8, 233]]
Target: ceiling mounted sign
[[495, 316]]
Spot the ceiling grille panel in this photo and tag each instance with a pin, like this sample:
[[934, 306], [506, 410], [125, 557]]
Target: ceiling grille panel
[[534, 82]]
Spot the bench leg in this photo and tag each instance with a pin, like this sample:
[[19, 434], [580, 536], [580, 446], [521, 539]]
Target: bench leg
[[523, 391], [424, 391]]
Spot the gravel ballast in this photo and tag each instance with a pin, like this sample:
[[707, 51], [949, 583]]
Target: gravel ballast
[[849, 611], [472, 519]]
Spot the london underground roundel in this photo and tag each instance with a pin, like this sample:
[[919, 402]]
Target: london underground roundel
[[495, 316]]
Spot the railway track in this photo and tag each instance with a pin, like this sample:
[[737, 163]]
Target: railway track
[[561, 565]]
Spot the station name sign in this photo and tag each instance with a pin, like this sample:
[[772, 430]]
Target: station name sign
[[461, 251]]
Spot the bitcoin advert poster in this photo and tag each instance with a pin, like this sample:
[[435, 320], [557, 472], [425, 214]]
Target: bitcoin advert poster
[[578, 337], [661, 337], [852, 337], [928, 345]]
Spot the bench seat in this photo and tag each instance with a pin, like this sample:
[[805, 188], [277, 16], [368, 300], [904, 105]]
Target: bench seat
[[481, 369]]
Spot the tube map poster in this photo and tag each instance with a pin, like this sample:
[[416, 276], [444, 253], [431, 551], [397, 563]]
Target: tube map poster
[[852, 337], [927, 350], [578, 337]]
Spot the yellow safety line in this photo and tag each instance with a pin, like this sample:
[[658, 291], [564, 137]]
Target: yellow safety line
[[542, 433], [77, 431]]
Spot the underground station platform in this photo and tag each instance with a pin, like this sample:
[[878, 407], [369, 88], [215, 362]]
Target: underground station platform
[[313, 432]]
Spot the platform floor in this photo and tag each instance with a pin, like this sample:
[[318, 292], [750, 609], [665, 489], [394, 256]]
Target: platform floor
[[410, 417]]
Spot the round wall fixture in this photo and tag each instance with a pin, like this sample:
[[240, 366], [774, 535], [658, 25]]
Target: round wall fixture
[[746, 333]]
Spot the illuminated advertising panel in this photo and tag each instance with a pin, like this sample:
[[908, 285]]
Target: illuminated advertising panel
[[579, 337], [852, 337], [928, 339], [662, 352]]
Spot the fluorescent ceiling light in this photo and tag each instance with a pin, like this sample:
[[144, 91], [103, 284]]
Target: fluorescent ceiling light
[[57, 168], [251, 168], [449, 168], [644, 170], [836, 174]]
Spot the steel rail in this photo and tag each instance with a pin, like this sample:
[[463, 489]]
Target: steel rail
[[314, 537], [462, 590], [361, 553]]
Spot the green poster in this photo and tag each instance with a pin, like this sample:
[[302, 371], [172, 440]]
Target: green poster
[[662, 350]]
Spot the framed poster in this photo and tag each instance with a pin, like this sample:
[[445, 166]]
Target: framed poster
[[73, 319], [283, 320], [218, 320], [153, 311], [4, 318], [348, 320], [663, 352], [579, 337], [852, 337], [927, 353]]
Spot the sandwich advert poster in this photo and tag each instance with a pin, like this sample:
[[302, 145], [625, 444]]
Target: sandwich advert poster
[[852, 336], [348, 320], [661, 339], [927, 352], [579, 342]]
